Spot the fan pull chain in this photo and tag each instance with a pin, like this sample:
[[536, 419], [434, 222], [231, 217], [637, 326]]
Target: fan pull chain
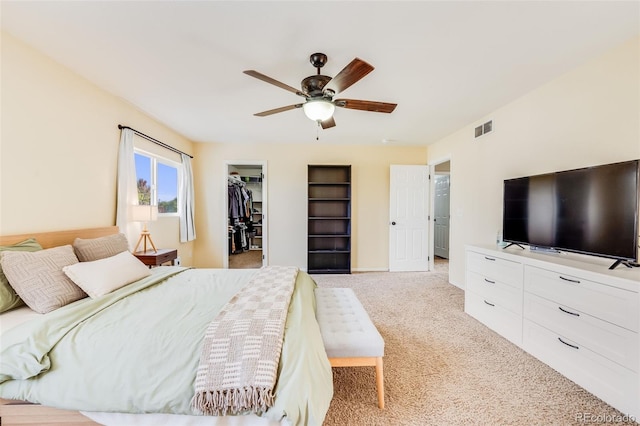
[[318, 131]]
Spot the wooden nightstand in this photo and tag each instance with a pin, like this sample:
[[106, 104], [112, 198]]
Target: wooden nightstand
[[151, 258]]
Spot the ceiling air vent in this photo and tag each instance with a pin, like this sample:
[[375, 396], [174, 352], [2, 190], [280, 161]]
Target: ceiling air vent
[[483, 129]]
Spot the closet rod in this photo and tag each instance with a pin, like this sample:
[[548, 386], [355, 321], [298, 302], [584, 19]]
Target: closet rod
[[156, 141]]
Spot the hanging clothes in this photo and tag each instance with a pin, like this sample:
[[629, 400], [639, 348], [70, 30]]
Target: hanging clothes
[[237, 198], [239, 210]]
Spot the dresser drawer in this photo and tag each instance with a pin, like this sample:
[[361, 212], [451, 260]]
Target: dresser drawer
[[606, 379], [497, 318], [612, 342], [612, 304], [495, 268], [495, 292]]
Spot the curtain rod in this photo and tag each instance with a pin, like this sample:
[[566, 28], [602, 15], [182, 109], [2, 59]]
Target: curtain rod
[[156, 141]]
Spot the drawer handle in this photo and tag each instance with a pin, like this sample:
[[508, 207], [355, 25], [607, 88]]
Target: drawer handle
[[490, 258], [569, 279], [568, 312], [489, 281], [490, 304], [568, 344]]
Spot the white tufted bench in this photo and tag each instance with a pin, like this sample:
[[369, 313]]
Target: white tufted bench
[[350, 338]]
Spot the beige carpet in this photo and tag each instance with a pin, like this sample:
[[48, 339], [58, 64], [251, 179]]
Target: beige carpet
[[442, 367], [246, 260]]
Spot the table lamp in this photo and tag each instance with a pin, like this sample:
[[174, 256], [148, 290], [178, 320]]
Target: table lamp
[[144, 214]]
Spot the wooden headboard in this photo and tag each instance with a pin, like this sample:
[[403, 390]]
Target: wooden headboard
[[59, 238]]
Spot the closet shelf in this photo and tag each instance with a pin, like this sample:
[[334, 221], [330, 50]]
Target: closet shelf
[[330, 183], [251, 179], [329, 271], [329, 217]]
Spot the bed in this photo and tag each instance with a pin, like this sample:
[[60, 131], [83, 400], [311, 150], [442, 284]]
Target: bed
[[131, 356]]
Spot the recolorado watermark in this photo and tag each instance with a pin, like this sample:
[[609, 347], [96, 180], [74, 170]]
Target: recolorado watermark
[[604, 418]]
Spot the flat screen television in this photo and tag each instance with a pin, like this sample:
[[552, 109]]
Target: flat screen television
[[593, 210]]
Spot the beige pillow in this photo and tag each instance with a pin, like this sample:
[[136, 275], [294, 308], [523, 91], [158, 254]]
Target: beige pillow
[[92, 249], [38, 279], [102, 276], [9, 299]]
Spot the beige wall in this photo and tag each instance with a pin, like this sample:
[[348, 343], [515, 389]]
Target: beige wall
[[58, 156], [587, 117], [59, 142], [287, 198], [59, 145]]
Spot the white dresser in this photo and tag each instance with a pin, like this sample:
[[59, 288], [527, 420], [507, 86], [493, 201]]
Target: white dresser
[[494, 293], [577, 316]]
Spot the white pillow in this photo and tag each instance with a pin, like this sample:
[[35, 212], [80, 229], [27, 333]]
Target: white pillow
[[100, 277]]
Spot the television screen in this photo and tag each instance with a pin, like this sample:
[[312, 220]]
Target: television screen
[[592, 210]]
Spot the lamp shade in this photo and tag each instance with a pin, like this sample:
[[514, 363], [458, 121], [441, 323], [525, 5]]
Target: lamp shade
[[144, 213], [318, 110]]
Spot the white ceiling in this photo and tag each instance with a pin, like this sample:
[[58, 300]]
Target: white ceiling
[[446, 64]]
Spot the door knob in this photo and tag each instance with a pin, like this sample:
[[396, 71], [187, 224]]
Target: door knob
[[393, 223]]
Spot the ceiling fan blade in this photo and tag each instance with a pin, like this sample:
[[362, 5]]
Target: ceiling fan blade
[[277, 110], [328, 123], [270, 80], [349, 75], [365, 105]]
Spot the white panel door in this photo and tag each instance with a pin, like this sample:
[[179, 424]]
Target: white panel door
[[441, 217], [408, 218]]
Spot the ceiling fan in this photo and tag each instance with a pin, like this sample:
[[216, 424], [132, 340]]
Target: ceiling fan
[[319, 90]]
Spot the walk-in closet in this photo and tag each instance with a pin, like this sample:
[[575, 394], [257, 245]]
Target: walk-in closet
[[246, 216]]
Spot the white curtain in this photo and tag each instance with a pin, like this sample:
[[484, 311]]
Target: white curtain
[[127, 188], [187, 224]]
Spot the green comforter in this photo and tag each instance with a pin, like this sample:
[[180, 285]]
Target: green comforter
[[136, 350]]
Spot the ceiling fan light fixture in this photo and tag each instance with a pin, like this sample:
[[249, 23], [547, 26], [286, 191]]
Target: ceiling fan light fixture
[[318, 109], [319, 90]]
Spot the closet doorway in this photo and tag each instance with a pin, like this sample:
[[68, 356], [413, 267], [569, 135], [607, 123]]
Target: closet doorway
[[246, 225]]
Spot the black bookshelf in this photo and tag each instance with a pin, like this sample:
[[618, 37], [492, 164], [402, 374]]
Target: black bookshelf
[[329, 219]]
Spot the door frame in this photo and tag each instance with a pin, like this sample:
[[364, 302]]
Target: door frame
[[432, 206], [265, 223]]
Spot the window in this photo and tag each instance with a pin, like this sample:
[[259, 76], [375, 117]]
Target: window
[[157, 180]]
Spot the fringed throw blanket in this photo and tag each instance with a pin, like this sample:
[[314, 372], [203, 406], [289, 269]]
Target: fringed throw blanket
[[242, 345]]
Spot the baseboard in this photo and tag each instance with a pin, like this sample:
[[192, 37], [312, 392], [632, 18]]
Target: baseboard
[[461, 287], [370, 270]]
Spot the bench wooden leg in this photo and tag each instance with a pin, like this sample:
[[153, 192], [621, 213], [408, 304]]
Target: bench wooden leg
[[380, 382], [365, 362]]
